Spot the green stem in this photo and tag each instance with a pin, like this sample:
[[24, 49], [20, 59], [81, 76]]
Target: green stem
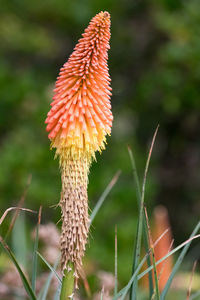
[[67, 289]]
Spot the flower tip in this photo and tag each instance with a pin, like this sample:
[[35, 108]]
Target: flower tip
[[80, 116], [106, 15]]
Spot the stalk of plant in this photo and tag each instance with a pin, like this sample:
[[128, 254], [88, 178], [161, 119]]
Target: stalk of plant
[[78, 122]]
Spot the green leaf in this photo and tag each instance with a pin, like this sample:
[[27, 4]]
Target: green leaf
[[141, 220], [145, 230], [19, 241], [195, 295], [156, 292], [178, 263], [22, 275], [116, 267], [57, 294], [123, 292], [18, 209], [34, 268], [103, 196], [170, 253], [45, 289], [50, 267]]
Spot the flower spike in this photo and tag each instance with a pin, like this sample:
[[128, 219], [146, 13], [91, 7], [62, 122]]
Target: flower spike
[[78, 122], [80, 117]]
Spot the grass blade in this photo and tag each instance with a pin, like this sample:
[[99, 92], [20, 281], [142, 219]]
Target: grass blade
[[140, 227], [190, 284], [145, 231], [195, 295], [57, 294], [13, 208], [178, 263], [47, 283], [136, 258], [34, 268], [150, 276], [184, 244], [50, 267], [23, 277], [103, 196], [135, 176], [116, 275], [156, 292], [19, 241], [123, 292], [19, 206]]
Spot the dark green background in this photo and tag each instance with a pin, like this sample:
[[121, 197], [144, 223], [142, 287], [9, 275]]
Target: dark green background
[[154, 64]]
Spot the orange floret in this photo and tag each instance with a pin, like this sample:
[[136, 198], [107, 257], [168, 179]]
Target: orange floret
[[81, 117]]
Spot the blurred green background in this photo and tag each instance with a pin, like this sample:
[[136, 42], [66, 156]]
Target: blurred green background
[[154, 64]]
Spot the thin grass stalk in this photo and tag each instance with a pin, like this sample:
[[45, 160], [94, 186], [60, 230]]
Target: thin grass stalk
[[184, 244], [123, 292], [14, 208], [34, 268], [25, 281], [179, 261], [19, 206], [57, 294], [195, 295], [116, 275], [104, 195], [50, 267], [190, 284], [43, 293], [156, 290], [145, 231], [133, 294]]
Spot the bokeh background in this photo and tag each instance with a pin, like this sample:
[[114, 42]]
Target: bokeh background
[[154, 64]]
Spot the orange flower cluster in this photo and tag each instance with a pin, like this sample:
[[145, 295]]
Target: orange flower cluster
[[78, 122], [80, 116]]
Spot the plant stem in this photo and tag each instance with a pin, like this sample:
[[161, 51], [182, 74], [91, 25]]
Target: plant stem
[[67, 289]]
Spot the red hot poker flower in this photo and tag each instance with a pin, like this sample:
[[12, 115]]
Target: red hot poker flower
[[78, 122], [80, 116]]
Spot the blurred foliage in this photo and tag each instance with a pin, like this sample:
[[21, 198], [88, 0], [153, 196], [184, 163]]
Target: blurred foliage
[[155, 68]]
